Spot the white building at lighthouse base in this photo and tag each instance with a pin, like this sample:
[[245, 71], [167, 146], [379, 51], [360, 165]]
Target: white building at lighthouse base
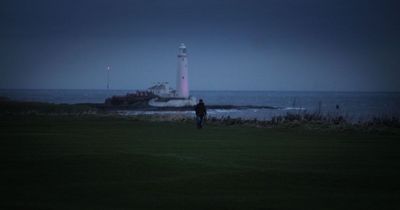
[[173, 102]]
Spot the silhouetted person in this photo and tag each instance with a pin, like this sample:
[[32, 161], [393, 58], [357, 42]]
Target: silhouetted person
[[201, 112]]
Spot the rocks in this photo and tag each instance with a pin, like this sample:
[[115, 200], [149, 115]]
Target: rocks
[[139, 97]]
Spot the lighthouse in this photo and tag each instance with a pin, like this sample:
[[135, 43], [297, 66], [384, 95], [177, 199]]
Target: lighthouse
[[166, 97], [182, 81]]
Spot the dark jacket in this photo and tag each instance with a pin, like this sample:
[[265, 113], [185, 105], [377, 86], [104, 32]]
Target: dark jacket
[[200, 109]]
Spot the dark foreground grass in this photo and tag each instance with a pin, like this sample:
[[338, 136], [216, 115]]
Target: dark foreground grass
[[108, 163]]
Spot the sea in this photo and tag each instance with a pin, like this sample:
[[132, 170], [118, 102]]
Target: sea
[[354, 106]]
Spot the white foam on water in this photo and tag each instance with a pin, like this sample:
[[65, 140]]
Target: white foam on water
[[133, 113], [222, 110], [294, 108]]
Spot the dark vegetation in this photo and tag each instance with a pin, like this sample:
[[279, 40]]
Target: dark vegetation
[[304, 119], [8, 107], [314, 120], [97, 162]]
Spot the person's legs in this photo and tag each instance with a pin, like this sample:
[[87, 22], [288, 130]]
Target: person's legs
[[198, 121], [201, 121]]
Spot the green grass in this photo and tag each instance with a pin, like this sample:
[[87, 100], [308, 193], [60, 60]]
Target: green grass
[[110, 163]]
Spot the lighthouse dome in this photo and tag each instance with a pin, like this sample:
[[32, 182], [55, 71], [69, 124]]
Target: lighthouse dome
[[182, 49]]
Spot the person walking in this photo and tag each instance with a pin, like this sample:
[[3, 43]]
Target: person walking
[[201, 113]]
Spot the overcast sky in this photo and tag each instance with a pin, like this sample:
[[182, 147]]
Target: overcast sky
[[342, 45]]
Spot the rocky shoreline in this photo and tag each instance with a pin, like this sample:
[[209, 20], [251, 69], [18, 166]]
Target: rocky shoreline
[[145, 107]]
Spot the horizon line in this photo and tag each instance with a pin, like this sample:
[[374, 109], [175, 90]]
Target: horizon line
[[233, 90]]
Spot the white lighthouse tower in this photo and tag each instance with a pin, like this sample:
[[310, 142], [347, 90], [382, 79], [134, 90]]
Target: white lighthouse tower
[[182, 80]]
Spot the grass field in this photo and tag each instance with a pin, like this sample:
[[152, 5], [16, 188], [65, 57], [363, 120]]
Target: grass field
[[110, 163]]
